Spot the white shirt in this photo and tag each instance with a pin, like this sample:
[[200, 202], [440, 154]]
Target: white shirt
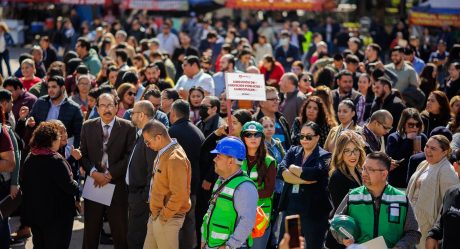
[[168, 42], [200, 79]]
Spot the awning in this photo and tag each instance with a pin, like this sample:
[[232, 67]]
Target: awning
[[307, 5], [158, 5], [436, 17]]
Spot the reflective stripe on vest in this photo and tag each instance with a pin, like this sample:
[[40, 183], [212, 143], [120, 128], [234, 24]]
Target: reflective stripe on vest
[[219, 222], [391, 218], [265, 203]]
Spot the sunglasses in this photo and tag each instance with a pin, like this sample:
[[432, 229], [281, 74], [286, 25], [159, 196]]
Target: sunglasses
[[131, 93], [309, 137], [249, 135], [413, 125]]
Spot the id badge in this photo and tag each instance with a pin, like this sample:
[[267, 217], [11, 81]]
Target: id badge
[[394, 214], [295, 189]]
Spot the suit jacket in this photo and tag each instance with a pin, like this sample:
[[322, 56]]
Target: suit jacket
[[69, 113], [140, 167], [190, 138], [119, 146]]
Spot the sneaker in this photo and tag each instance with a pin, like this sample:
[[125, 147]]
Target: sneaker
[[17, 242]]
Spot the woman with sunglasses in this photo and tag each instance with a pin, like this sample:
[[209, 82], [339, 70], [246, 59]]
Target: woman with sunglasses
[[313, 110], [347, 118], [406, 141], [437, 111], [429, 183], [345, 174], [261, 168], [126, 93], [305, 172], [305, 82]]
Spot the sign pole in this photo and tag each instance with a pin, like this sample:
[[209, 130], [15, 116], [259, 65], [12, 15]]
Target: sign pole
[[229, 116], [229, 108]]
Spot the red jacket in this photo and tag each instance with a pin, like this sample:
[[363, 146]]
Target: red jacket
[[275, 74]]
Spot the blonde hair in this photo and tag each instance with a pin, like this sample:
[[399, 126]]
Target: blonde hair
[[337, 162], [4, 27]]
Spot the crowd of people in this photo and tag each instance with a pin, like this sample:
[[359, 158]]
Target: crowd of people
[[144, 107]]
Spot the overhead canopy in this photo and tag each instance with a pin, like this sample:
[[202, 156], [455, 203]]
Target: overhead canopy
[[158, 5], [307, 5], [426, 15]]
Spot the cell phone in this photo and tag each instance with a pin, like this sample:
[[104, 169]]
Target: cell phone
[[292, 223]]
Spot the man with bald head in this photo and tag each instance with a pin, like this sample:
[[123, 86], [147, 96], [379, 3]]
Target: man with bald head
[[380, 124], [106, 144], [138, 177]]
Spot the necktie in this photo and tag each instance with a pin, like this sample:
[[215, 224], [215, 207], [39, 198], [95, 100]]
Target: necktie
[[105, 156]]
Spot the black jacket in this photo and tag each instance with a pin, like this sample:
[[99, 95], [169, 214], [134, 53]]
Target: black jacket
[[70, 114], [446, 227], [140, 168], [353, 96], [312, 200], [48, 189], [208, 127], [393, 104], [190, 138]]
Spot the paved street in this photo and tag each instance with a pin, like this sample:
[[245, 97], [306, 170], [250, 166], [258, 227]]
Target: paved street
[[77, 236]]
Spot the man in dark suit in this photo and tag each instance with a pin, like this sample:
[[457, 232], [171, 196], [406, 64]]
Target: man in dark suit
[[106, 144], [190, 138], [138, 175]]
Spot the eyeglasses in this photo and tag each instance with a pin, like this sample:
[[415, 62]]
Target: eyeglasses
[[109, 106], [369, 170], [354, 151], [309, 137], [249, 135], [147, 142], [276, 100], [131, 93], [385, 127], [413, 125]]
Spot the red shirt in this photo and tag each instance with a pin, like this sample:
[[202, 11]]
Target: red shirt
[[29, 83], [275, 74], [5, 140]]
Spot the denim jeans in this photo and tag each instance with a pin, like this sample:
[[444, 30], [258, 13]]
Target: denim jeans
[[261, 242], [5, 56]]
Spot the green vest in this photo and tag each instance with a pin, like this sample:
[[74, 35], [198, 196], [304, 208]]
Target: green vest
[[391, 217], [306, 44], [219, 222], [265, 203]]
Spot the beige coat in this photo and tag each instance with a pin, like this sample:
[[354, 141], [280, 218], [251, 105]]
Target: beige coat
[[431, 193], [335, 132]]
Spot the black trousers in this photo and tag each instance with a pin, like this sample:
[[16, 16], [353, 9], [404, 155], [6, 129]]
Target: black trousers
[[138, 216], [53, 235], [117, 214]]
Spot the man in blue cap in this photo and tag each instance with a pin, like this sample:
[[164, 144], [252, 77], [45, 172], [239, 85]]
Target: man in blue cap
[[232, 209]]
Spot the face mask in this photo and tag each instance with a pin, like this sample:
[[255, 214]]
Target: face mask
[[284, 42], [203, 112]]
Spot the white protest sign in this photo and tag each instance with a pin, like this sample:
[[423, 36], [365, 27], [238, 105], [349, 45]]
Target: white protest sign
[[245, 86]]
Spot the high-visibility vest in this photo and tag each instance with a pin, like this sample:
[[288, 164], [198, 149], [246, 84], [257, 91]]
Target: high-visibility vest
[[391, 218], [219, 222], [265, 203]]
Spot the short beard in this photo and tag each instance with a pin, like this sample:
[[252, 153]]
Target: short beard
[[57, 97]]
